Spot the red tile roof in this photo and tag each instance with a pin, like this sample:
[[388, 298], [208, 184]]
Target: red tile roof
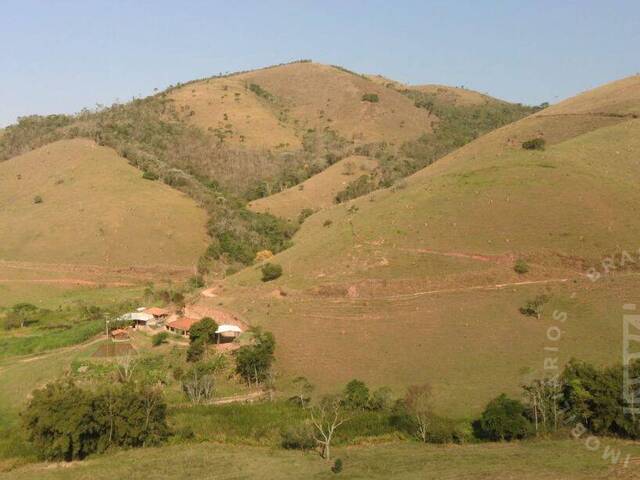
[[157, 311], [183, 323]]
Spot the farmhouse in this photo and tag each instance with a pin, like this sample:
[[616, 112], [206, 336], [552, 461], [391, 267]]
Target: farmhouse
[[182, 326]]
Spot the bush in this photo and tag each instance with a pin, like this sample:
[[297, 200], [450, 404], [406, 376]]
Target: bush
[[271, 271], [159, 339], [304, 214], [370, 97], [337, 466], [503, 419], [37, 199], [298, 437], [521, 266], [534, 144], [150, 175], [197, 281]]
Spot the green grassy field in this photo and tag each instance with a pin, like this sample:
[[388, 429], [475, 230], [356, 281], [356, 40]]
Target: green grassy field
[[543, 460]]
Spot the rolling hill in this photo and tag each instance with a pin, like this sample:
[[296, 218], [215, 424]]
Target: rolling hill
[[416, 283], [318, 192], [75, 203]]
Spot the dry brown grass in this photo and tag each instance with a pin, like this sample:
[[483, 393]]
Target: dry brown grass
[[306, 95], [96, 210], [434, 312]]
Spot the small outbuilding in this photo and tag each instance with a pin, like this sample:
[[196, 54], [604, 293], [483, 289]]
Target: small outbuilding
[[227, 333], [119, 335], [139, 319]]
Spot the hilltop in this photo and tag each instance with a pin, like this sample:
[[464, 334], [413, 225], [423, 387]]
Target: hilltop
[[229, 140], [417, 283]]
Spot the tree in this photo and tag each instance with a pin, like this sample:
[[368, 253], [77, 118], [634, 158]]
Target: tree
[[326, 417], [66, 422], [21, 314], [303, 389], [271, 271], [204, 330], [253, 362], [356, 395], [418, 403], [195, 352], [159, 339], [127, 364], [535, 307], [504, 419], [199, 383], [543, 397], [380, 399], [59, 422]]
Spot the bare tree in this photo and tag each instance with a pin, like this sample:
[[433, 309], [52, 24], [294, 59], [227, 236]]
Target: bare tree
[[303, 390], [326, 417], [198, 385], [543, 398], [126, 366], [418, 403]]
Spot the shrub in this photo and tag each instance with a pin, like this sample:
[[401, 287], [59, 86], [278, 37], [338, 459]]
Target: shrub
[[196, 281], [271, 271], [534, 144], [263, 255], [37, 199], [521, 266], [370, 97], [535, 307], [304, 214], [327, 223], [159, 339], [150, 175], [503, 419], [356, 395], [298, 437], [337, 466]]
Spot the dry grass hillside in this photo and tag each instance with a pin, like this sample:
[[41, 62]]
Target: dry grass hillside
[[296, 97], [417, 284], [73, 202], [319, 192]]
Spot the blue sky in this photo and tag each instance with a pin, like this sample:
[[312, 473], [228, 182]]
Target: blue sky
[[61, 56]]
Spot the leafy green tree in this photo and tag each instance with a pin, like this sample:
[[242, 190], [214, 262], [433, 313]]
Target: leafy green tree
[[253, 362], [204, 330], [356, 395], [504, 419], [66, 422]]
